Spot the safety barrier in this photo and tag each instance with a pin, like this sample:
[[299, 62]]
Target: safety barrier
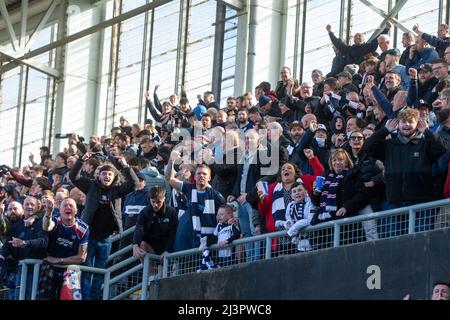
[[369, 227], [115, 287]]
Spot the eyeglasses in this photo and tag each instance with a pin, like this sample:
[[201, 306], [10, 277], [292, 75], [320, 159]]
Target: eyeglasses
[[356, 138]]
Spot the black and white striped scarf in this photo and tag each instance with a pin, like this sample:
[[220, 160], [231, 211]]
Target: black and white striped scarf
[[328, 198]]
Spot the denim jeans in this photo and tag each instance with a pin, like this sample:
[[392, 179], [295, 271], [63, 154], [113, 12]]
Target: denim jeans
[[398, 225], [425, 220], [245, 213], [370, 226], [98, 253], [390, 226], [14, 284]]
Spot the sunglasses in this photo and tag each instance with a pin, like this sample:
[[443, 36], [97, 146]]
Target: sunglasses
[[356, 138]]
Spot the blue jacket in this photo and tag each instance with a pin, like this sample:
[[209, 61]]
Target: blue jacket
[[428, 55], [417, 91], [139, 198], [438, 43], [384, 103]]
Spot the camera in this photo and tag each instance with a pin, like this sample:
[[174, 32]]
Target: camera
[[4, 170], [66, 136], [62, 135]]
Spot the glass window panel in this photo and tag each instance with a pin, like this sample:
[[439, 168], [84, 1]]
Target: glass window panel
[[164, 51], [9, 87], [229, 56], [200, 49], [129, 71], [317, 42]]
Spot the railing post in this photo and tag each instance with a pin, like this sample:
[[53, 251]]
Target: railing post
[[145, 271], [35, 280], [165, 266], [412, 221], [268, 247], [23, 281], [106, 286], [337, 234]]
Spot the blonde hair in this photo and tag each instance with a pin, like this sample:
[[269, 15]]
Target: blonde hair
[[338, 152], [409, 114]]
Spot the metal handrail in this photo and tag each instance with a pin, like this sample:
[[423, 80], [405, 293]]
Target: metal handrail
[[335, 224], [322, 225], [108, 281]]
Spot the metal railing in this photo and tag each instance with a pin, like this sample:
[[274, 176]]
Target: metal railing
[[386, 224], [368, 227], [115, 287]]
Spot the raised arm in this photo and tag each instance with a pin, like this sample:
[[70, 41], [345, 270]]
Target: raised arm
[[20, 178], [341, 46], [170, 173], [436, 42], [47, 223], [81, 183], [158, 104], [413, 89], [131, 180], [4, 224], [151, 108], [384, 103]]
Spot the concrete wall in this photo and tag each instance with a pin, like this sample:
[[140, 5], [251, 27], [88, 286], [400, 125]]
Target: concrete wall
[[408, 264]]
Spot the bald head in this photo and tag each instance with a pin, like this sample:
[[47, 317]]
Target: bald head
[[274, 131], [77, 195], [14, 212], [307, 118], [68, 211]]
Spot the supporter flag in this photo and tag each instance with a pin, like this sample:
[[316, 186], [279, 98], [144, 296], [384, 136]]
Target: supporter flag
[[70, 289]]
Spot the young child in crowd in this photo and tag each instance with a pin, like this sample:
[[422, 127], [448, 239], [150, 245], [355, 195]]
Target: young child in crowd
[[299, 213], [225, 232]]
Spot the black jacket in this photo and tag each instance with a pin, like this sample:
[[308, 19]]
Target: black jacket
[[356, 53], [225, 173], [92, 190], [349, 195], [407, 165], [323, 153], [36, 238], [157, 228], [368, 171], [255, 173]]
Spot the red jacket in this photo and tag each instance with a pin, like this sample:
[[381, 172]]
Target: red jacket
[[447, 183], [20, 178], [265, 206]]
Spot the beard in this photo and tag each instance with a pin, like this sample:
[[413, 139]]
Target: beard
[[408, 133]]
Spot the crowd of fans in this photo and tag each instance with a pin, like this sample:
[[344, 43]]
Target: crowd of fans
[[369, 136]]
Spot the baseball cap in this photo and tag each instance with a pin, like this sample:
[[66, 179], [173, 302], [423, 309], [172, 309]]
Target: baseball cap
[[424, 103], [140, 175], [426, 67], [345, 74], [322, 127]]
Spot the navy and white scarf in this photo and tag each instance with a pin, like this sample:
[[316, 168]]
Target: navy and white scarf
[[205, 225], [280, 199], [328, 198], [295, 211]]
